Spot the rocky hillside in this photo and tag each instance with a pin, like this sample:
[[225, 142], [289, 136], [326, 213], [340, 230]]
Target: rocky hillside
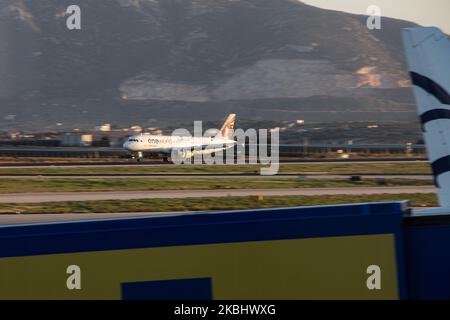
[[169, 61]]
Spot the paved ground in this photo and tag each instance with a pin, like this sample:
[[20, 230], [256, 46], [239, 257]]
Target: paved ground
[[18, 219], [156, 164], [170, 194], [11, 219], [220, 176]]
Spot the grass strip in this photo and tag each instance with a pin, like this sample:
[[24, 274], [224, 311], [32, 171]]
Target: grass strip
[[207, 204], [28, 185]]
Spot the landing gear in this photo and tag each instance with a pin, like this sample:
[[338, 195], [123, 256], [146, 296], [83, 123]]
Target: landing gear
[[138, 156]]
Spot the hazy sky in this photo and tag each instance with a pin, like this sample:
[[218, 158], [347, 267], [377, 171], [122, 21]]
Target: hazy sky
[[424, 12]]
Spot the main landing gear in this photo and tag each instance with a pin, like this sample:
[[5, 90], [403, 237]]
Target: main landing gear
[[138, 156]]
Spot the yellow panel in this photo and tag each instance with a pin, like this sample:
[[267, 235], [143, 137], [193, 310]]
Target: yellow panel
[[319, 268]]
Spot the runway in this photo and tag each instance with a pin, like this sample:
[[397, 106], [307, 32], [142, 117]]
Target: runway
[[181, 194], [217, 176], [159, 164], [12, 219]]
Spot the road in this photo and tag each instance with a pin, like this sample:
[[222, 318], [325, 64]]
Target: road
[[180, 194]]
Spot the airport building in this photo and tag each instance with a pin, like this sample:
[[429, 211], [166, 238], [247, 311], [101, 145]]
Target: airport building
[[77, 140]]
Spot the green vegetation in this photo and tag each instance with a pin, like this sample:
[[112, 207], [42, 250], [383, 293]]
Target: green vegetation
[[294, 168], [19, 185], [206, 204]]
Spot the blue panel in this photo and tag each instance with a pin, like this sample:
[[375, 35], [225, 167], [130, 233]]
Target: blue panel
[[180, 289], [201, 228], [208, 228], [427, 251]]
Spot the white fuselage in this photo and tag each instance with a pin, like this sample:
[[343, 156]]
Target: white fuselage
[[166, 144]]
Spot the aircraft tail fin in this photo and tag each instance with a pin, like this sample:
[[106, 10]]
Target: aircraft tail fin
[[228, 127], [428, 55]]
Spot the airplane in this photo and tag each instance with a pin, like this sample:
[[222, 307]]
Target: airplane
[[184, 146], [428, 56]]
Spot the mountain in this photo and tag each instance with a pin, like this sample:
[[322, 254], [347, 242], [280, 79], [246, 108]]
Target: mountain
[[157, 62]]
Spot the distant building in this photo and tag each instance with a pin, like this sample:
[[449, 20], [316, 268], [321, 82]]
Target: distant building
[[103, 128], [157, 132], [77, 140], [136, 128], [117, 142], [14, 135]]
